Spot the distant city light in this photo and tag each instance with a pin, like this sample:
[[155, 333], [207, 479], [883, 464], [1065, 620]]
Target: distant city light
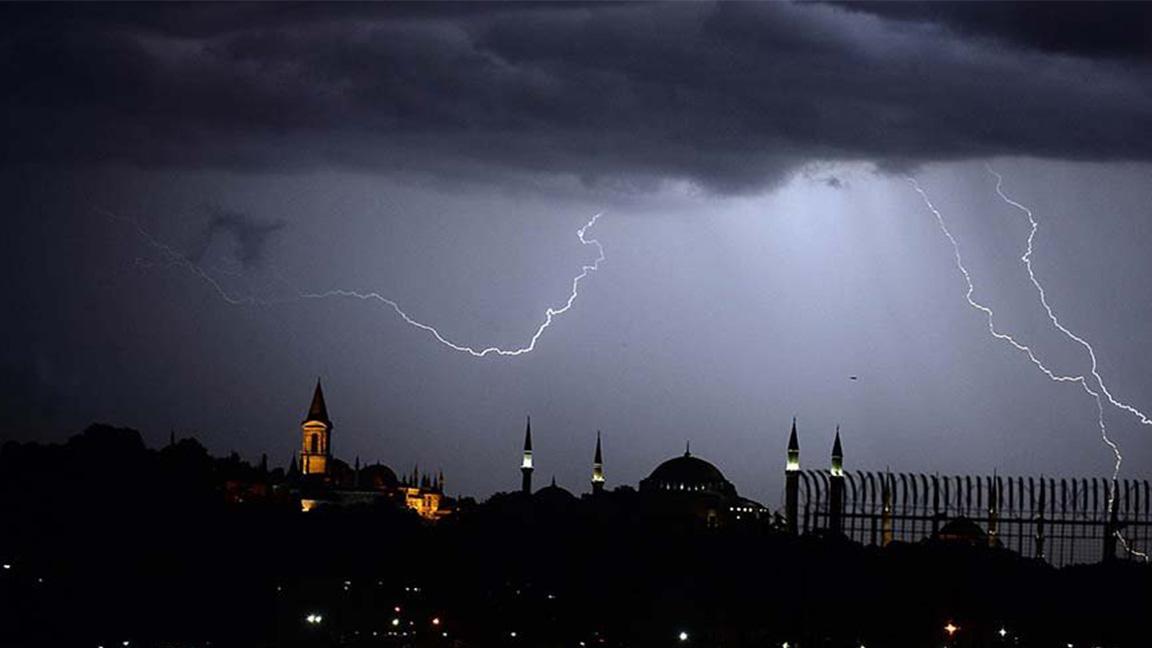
[[314, 618], [512, 634], [436, 621], [396, 621], [951, 629], [683, 636], [1003, 632]]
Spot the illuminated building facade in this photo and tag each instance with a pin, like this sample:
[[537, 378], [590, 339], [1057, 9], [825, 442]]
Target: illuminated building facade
[[323, 480], [316, 443]]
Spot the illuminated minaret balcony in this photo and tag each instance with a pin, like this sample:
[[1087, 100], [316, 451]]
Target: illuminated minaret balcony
[[597, 467], [526, 460], [837, 456]]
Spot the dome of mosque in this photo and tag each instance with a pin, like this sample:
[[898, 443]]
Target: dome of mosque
[[688, 474]]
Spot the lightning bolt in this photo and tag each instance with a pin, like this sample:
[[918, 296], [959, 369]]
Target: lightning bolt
[[1027, 261], [174, 257], [1028, 351], [549, 314]]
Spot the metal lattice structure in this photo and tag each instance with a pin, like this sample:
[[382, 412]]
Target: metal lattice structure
[[1063, 521]]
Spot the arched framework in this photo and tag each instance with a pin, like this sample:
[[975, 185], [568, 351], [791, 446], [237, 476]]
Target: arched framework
[[1062, 520]]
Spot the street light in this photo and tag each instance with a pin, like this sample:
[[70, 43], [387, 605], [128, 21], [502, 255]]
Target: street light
[[683, 636], [951, 629]]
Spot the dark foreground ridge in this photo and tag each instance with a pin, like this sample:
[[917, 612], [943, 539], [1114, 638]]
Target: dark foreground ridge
[[106, 541]]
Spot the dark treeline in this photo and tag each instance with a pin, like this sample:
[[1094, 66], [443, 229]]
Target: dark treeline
[[105, 540]]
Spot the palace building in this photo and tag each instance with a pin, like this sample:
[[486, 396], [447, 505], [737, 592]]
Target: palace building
[[322, 480]]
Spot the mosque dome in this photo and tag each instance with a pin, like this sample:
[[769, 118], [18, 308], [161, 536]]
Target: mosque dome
[[553, 496], [962, 530], [379, 477], [688, 474]]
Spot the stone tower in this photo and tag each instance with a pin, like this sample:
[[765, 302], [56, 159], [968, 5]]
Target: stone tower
[[316, 446]]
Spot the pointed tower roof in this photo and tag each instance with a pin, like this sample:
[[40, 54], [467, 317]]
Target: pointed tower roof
[[318, 411], [837, 451], [598, 459], [793, 442], [528, 436]]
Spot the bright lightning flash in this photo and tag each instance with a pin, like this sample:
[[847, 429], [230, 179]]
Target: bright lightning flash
[[1025, 349], [172, 256], [1027, 261]]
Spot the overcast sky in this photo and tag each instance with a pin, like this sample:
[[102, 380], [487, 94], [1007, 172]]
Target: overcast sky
[[763, 244]]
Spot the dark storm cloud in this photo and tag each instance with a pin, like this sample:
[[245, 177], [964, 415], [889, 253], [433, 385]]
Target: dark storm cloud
[[249, 235], [1093, 29], [729, 96]]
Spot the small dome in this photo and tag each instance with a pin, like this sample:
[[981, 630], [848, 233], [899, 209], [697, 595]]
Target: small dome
[[379, 477], [553, 495], [689, 474], [340, 473], [962, 530]]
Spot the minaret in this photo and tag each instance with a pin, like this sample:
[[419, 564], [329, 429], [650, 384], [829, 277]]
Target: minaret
[[1110, 528], [887, 486], [526, 462], [792, 481], [316, 449], [836, 501], [597, 468], [993, 510]]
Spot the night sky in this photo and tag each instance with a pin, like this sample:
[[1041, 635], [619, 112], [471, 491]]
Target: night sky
[[763, 244]]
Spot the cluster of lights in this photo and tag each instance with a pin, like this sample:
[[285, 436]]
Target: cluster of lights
[[314, 619], [668, 486]]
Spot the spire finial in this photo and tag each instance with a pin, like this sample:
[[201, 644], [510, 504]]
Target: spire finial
[[837, 456], [553, 481], [318, 410], [687, 448]]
